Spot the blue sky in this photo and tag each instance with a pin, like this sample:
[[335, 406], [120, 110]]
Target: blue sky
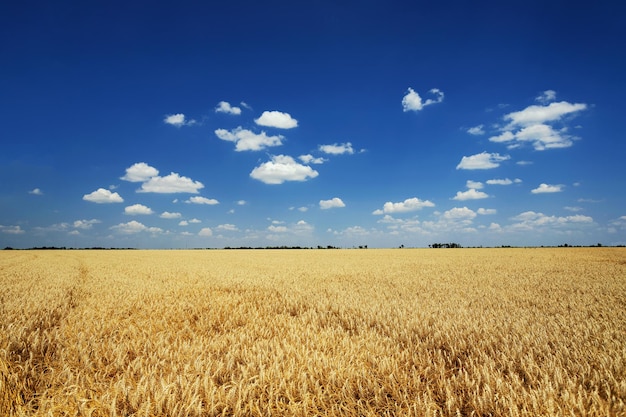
[[189, 124]]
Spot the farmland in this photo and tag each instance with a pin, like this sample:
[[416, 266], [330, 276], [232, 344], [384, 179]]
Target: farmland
[[423, 332]]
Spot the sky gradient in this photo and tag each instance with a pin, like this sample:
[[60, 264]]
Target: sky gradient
[[175, 125]]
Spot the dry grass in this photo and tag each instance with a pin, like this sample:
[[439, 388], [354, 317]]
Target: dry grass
[[515, 332]]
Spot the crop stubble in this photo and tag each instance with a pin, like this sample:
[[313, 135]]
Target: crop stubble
[[313, 332]]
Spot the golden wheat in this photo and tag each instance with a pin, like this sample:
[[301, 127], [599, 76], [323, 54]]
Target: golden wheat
[[515, 332]]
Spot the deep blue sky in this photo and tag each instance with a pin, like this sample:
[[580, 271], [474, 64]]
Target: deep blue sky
[[162, 124]]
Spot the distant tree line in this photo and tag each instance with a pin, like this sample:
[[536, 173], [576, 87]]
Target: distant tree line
[[444, 245]]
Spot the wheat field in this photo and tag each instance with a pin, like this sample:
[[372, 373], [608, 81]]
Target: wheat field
[[415, 332]]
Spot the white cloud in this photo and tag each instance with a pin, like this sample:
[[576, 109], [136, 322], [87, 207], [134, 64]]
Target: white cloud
[[470, 194], [459, 214], [413, 102], [474, 184], [482, 160], [547, 188], [137, 209], [282, 168], [531, 220], [140, 172], [246, 140], [242, 202], [205, 231], [172, 183], [332, 203], [410, 204], [11, 230], [276, 119], [337, 148], [85, 224], [534, 124], [135, 227], [103, 196], [574, 209], [484, 211], [546, 97], [178, 120], [228, 227], [524, 163], [202, 200], [35, 191], [536, 114], [504, 181], [225, 107], [195, 221], [476, 130], [168, 215], [309, 159], [277, 229], [183, 223]]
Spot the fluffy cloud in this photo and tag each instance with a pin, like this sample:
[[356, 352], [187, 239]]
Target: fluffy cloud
[[337, 148], [205, 231], [11, 230], [85, 224], [134, 227], [470, 194], [474, 184], [546, 97], [413, 102], [137, 209], [103, 196], [35, 191], [534, 124], [547, 188], [504, 181], [332, 203], [140, 172], [282, 168], [246, 140], [482, 160], [168, 215], [178, 120], [276, 119], [202, 200], [484, 211], [225, 107], [309, 159], [531, 220], [172, 183], [459, 214], [410, 204], [476, 130], [183, 223], [227, 227]]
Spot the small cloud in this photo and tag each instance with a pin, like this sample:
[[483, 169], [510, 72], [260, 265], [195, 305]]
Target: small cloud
[[546, 97], [168, 215], [11, 230], [137, 209], [228, 227], [309, 159], [410, 204], [133, 227], [178, 120], [474, 184], [202, 200], [282, 168], [246, 140], [337, 148], [140, 172], [524, 163], [103, 196], [546, 188], [183, 223], [225, 107], [476, 130], [484, 211], [470, 194], [573, 209], [35, 191], [242, 202], [413, 102], [276, 119], [482, 160], [85, 224], [505, 181], [332, 203], [277, 229], [195, 221], [245, 105], [205, 231], [169, 184]]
